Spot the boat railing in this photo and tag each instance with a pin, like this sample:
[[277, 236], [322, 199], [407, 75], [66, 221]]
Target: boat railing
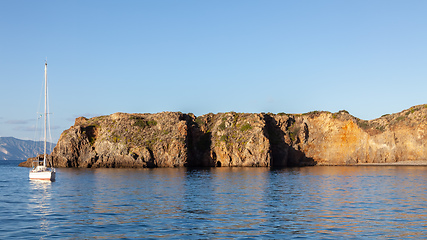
[[36, 163]]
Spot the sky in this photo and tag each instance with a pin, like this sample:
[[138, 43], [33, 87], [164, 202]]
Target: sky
[[366, 57]]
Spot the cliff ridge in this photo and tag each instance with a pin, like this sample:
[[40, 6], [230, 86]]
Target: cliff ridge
[[174, 139]]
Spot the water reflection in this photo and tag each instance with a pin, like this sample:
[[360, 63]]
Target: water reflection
[[347, 200], [316, 202], [39, 204], [224, 200], [238, 193]]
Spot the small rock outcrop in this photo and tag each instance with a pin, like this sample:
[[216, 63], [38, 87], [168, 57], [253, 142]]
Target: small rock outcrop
[[174, 139]]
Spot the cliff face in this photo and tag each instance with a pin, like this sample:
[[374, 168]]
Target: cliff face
[[229, 139], [341, 139], [171, 139], [123, 140]]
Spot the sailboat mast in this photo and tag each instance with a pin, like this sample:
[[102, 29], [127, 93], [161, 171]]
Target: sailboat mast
[[45, 112]]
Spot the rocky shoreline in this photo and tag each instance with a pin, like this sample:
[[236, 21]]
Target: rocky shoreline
[[174, 139], [402, 163]]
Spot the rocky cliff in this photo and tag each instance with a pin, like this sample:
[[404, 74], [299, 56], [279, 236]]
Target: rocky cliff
[[173, 139]]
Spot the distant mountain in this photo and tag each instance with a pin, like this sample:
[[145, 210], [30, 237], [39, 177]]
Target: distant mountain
[[16, 149]]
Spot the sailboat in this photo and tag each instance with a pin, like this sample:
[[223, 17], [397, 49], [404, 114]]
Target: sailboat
[[40, 171]]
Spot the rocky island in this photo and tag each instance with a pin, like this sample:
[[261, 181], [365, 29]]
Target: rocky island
[[174, 139]]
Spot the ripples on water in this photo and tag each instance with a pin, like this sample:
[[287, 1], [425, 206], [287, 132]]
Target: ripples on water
[[313, 202]]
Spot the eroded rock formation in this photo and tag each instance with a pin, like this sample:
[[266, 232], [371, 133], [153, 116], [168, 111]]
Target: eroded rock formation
[[173, 139]]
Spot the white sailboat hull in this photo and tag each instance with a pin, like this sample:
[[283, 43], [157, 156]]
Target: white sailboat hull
[[44, 174]]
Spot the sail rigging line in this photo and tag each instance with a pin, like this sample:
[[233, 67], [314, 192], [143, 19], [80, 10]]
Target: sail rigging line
[[38, 139], [47, 128], [45, 113], [49, 136]]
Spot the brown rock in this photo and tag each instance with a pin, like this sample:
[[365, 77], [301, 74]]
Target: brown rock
[[233, 140], [171, 139]]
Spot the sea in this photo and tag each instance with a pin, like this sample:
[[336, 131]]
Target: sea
[[320, 202]]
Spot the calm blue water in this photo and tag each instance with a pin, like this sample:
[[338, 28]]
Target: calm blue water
[[313, 202]]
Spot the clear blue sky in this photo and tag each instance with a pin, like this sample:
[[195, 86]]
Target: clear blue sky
[[367, 57]]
